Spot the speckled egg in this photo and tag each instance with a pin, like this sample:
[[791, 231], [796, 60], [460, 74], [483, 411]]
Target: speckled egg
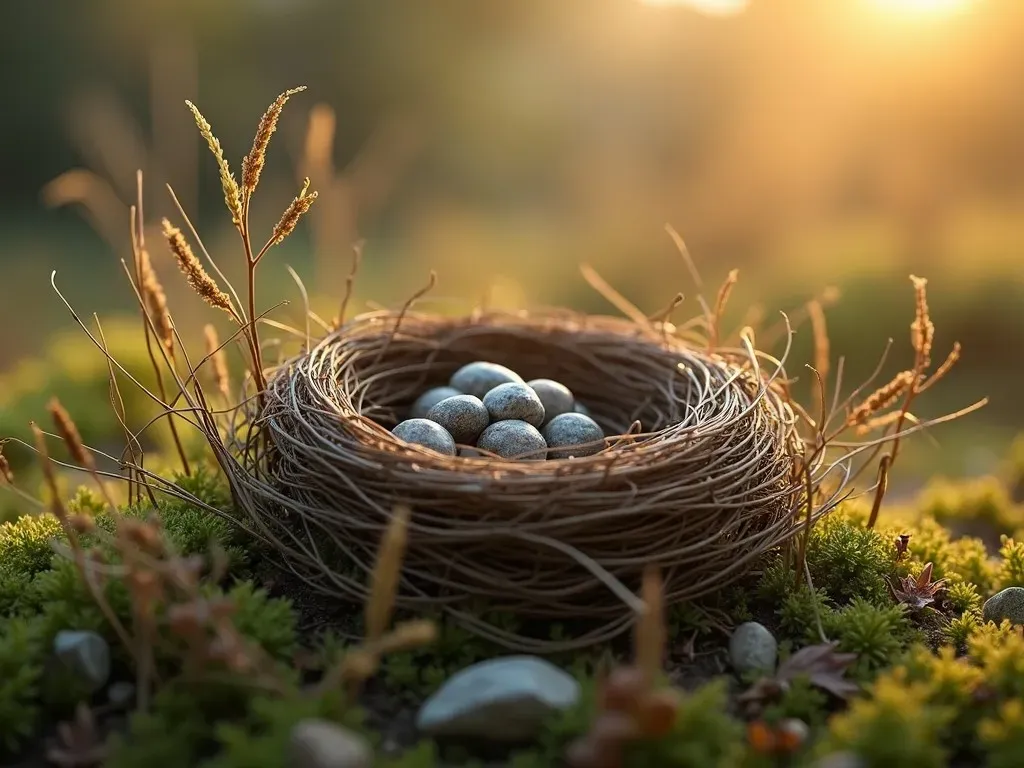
[[479, 378], [429, 399], [567, 434], [511, 439], [427, 433], [554, 396], [464, 416], [514, 401]]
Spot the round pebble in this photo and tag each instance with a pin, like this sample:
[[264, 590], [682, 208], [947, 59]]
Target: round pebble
[[427, 433], [479, 378], [753, 648], [581, 408], [514, 401], [512, 438], [555, 397], [567, 435], [429, 399], [464, 416]]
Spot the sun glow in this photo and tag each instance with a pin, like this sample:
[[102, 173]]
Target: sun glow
[[708, 7], [921, 7]]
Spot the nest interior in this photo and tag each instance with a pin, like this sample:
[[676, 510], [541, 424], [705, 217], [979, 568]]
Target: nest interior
[[702, 487]]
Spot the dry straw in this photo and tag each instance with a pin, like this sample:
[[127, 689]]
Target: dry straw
[[709, 462]]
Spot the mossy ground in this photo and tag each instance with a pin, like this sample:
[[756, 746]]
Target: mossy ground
[[938, 685]]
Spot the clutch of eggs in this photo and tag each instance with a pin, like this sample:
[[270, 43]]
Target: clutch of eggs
[[490, 407]]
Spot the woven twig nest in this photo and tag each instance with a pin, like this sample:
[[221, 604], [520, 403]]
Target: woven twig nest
[[703, 485]]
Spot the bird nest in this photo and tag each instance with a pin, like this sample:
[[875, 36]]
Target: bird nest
[[702, 474]]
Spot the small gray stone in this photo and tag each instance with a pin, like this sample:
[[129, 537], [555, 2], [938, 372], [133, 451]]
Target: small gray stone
[[567, 435], [1007, 604], [555, 397], [753, 648], [464, 416], [505, 699], [579, 407], [511, 439], [429, 399], [427, 433], [479, 378], [86, 654], [322, 744], [121, 694], [513, 400]]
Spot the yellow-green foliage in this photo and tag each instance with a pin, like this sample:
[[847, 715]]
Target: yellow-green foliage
[[895, 726], [1011, 563], [983, 500], [964, 559], [1002, 735]]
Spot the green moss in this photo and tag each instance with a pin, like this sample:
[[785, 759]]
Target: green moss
[[21, 670], [704, 734], [847, 560], [962, 596], [26, 544], [260, 740], [876, 634]]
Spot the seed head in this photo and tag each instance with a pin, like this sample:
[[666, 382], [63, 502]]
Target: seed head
[[252, 165], [232, 196], [295, 211], [195, 274]]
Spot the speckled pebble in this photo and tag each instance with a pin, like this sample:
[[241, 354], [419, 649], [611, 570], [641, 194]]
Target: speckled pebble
[[514, 401], [317, 743], [568, 435], [753, 648], [1007, 604], [429, 399], [464, 416], [86, 653], [554, 396], [511, 438], [479, 378], [427, 433], [506, 699]]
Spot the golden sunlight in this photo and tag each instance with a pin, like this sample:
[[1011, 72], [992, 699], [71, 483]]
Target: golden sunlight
[[922, 7], [709, 7]]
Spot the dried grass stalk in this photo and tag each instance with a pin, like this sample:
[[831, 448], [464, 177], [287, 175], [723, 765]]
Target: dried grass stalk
[[196, 275]]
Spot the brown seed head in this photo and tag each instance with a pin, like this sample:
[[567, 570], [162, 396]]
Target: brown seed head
[[216, 355], [156, 301], [232, 195], [295, 211], [252, 165], [5, 469], [881, 398], [197, 277], [69, 433], [922, 330]]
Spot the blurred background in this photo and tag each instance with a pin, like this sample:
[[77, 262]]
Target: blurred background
[[810, 144]]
